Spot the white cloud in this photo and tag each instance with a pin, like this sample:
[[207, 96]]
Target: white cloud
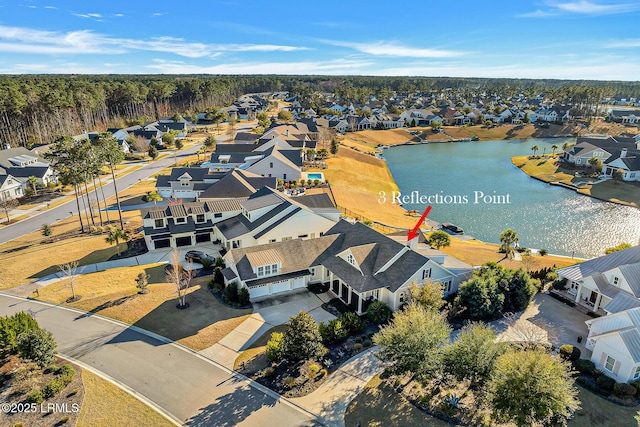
[[582, 7], [628, 43], [28, 40], [339, 67], [50, 7], [157, 14], [94, 16], [394, 49], [119, 15]]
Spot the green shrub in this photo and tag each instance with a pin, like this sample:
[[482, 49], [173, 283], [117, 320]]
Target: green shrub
[[543, 252], [352, 323], [636, 384], [585, 366], [606, 383], [597, 373], [289, 382], [378, 312], [12, 326], [333, 332], [569, 352], [217, 276], [34, 397], [220, 262], [243, 296], [314, 368], [276, 349], [357, 347], [624, 389], [367, 343], [73, 392], [64, 419], [206, 263], [52, 388], [37, 345], [18, 425], [358, 340], [268, 371], [323, 373], [231, 292]]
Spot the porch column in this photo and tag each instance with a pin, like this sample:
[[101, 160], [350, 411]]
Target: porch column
[[172, 242], [359, 304], [579, 292], [349, 292], [597, 303]]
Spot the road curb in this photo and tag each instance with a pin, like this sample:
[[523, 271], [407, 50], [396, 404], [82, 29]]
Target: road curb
[[234, 374]]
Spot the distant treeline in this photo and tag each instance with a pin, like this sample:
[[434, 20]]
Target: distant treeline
[[37, 108]]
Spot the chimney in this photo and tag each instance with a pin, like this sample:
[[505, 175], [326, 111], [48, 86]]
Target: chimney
[[286, 133], [623, 153], [413, 243]]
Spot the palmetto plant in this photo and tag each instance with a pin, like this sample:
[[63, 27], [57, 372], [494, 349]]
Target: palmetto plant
[[115, 235]]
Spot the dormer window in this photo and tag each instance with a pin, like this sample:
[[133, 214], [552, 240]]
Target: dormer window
[[616, 280], [158, 223], [267, 270], [200, 218], [350, 259], [426, 273], [180, 220], [184, 182]]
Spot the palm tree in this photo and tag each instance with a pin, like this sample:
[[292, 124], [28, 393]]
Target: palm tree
[[32, 181], [508, 238], [154, 196], [202, 150], [114, 235], [596, 164], [535, 148], [554, 147]]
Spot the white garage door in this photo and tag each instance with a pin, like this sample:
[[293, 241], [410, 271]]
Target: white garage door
[[280, 286], [298, 283], [258, 291]]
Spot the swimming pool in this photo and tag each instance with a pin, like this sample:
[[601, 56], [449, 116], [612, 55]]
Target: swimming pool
[[318, 176]]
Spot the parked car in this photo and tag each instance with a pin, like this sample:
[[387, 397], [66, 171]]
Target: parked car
[[198, 256]]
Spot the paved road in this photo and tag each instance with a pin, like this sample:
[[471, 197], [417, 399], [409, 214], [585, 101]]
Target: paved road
[[189, 387], [65, 210]]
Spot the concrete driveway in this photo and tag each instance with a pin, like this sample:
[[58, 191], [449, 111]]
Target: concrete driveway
[[267, 314], [188, 388], [549, 318]]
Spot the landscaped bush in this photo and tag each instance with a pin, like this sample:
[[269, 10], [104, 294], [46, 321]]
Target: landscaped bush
[[34, 397], [357, 347], [624, 390], [585, 366], [231, 293], [606, 383], [352, 323], [220, 262], [378, 312], [53, 387], [543, 252], [217, 276], [333, 332], [314, 368], [569, 352], [636, 384], [206, 263], [366, 343], [276, 349], [243, 296]]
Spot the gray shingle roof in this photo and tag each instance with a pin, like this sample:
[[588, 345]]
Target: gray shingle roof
[[239, 225], [601, 264]]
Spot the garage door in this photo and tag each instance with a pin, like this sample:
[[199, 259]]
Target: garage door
[[280, 287], [258, 291], [201, 238], [298, 283], [162, 243], [183, 241]]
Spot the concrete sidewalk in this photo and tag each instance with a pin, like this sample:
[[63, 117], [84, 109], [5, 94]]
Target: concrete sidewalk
[[267, 314], [331, 400]]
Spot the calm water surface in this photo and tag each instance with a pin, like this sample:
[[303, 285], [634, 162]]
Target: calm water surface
[[545, 216]]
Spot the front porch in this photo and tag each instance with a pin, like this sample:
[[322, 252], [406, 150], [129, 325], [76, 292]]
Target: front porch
[[585, 304], [358, 302]]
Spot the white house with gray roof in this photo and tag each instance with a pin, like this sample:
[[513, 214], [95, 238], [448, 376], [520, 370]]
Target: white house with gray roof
[[359, 264], [615, 344], [610, 282], [268, 217]]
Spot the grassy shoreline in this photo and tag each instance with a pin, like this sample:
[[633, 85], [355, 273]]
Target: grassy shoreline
[[549, 170]]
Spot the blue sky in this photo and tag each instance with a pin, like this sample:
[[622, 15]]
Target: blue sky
[[565, 39]]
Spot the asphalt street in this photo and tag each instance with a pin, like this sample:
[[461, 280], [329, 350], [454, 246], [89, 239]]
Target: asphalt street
[[69, 208], [189, 387]]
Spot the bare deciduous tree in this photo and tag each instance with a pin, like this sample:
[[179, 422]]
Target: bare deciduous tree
[[69, 270], [527, 333], [180, 277]]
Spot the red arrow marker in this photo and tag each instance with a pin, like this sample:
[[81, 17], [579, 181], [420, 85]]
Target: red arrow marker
[[414, 233]]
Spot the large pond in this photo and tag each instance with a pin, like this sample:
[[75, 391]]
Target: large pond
[[486, 194]]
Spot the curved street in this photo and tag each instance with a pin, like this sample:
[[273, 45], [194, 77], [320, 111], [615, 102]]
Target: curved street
[[190, 388]]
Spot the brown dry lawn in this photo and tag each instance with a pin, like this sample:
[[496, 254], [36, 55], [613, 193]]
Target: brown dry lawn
[[379, 405], [26, 258], [550, 170], [113, 293], [599, 412], [475, 252], [382, 137], [106, 405], [356, 180]]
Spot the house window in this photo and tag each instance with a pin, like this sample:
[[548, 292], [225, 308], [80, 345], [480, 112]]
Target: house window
[[271, 165], [184, 183], [180, 220], [303, 236], [616, 280], [609, 363], [426, 273], [447, 287], [313, 271], [159, 223], [260, 271], [267, 269], [284, 176], [217, 215], [636, 374], [272, 240], [274, 268], [312, 235], [284, 239], [200, 218], [375, 294], [403, 297], [350, 259]]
